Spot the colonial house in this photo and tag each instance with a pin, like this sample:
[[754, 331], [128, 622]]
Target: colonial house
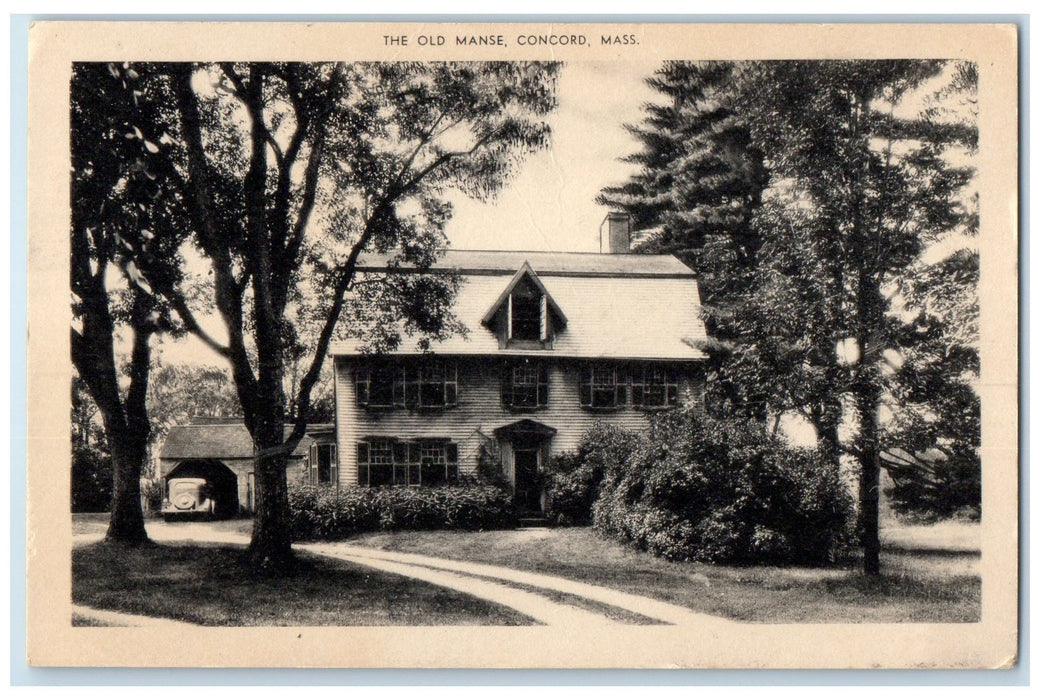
[[557, 342], [220, 450]]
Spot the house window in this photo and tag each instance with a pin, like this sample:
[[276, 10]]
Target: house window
[[429, 385], [434, 384], [380, 387], [527, 313], [439, 462], [654, 387], [600, 387], [386, 462], [525, 385], [323, 468], [376, 462]]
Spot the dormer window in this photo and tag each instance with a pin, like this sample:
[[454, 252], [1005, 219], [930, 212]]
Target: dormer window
[[525, 313]]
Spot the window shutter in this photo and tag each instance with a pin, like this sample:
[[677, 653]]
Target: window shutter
[[399, 384], [362, 383], [411, 396], [544, 318], [585, 386], [451, 384], [507, 385], [543, 385], [451, 458], [400, 463], [334, 464], [414, 466], [362, 460], [509, 318]]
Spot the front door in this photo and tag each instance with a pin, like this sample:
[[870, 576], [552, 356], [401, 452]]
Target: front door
[[528, 491]]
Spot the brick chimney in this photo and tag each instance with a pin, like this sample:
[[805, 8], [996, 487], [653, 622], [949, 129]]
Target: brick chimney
[[615, 233]]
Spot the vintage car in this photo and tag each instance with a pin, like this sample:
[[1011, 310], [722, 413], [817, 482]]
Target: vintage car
[[188, 497]]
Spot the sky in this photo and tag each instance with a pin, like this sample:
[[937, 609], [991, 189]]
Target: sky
[[550, 204]]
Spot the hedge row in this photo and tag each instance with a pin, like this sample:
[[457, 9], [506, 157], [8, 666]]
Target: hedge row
[[321, 513], [695, 488]]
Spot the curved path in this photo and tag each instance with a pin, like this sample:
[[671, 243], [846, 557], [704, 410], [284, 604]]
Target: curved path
[[496, 584], [420, 566]]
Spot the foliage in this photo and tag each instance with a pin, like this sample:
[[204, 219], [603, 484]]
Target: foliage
[[121, 220], [91, 479], [152, 495], [322, 513], [179, 392], [863, 172], [572, 479], [489, 467], [698, 188], [703, 489], [934, 435], [288, 173]]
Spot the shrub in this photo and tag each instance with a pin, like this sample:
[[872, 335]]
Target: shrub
[[151, 496], [572, 479], [696, 488], [91, 479], [321, 513]]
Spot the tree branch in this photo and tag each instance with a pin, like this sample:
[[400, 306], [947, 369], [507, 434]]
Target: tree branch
[[240, 90]]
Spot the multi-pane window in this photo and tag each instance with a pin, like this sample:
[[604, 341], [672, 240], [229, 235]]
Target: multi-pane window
[[322, 466], [432, 384], [376, 462], [380, 386], [385, 462], [525, 385], [654, 387], [602, 386]]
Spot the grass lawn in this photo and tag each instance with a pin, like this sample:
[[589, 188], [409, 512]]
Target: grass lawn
[[926, 578], [210, 586]]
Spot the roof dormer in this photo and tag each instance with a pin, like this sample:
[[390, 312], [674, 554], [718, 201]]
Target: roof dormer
[[525, 313]]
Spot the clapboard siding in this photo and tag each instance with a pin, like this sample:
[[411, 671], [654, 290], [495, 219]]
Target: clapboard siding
[[480, 412]]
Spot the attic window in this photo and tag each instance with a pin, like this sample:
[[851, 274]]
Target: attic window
[[527, 313]]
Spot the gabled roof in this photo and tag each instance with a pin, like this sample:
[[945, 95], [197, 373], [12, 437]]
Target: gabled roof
[[524, 271], [618, 306], [223, 440]]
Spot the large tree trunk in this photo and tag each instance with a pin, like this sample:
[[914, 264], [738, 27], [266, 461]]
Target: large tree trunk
[[270, 548], [870, 481], [126, 523], [868, 390], [130, 448], [126, 423]]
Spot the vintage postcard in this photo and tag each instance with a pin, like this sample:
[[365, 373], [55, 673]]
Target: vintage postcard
[[523, 345]]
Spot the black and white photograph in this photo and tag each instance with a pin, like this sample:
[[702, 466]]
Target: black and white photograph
[[523, 345]]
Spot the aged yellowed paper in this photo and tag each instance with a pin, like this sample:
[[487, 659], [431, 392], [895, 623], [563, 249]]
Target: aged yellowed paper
[[552, 208]]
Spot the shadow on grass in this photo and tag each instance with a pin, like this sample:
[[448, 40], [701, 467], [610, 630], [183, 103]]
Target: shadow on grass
[[213, 585]]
